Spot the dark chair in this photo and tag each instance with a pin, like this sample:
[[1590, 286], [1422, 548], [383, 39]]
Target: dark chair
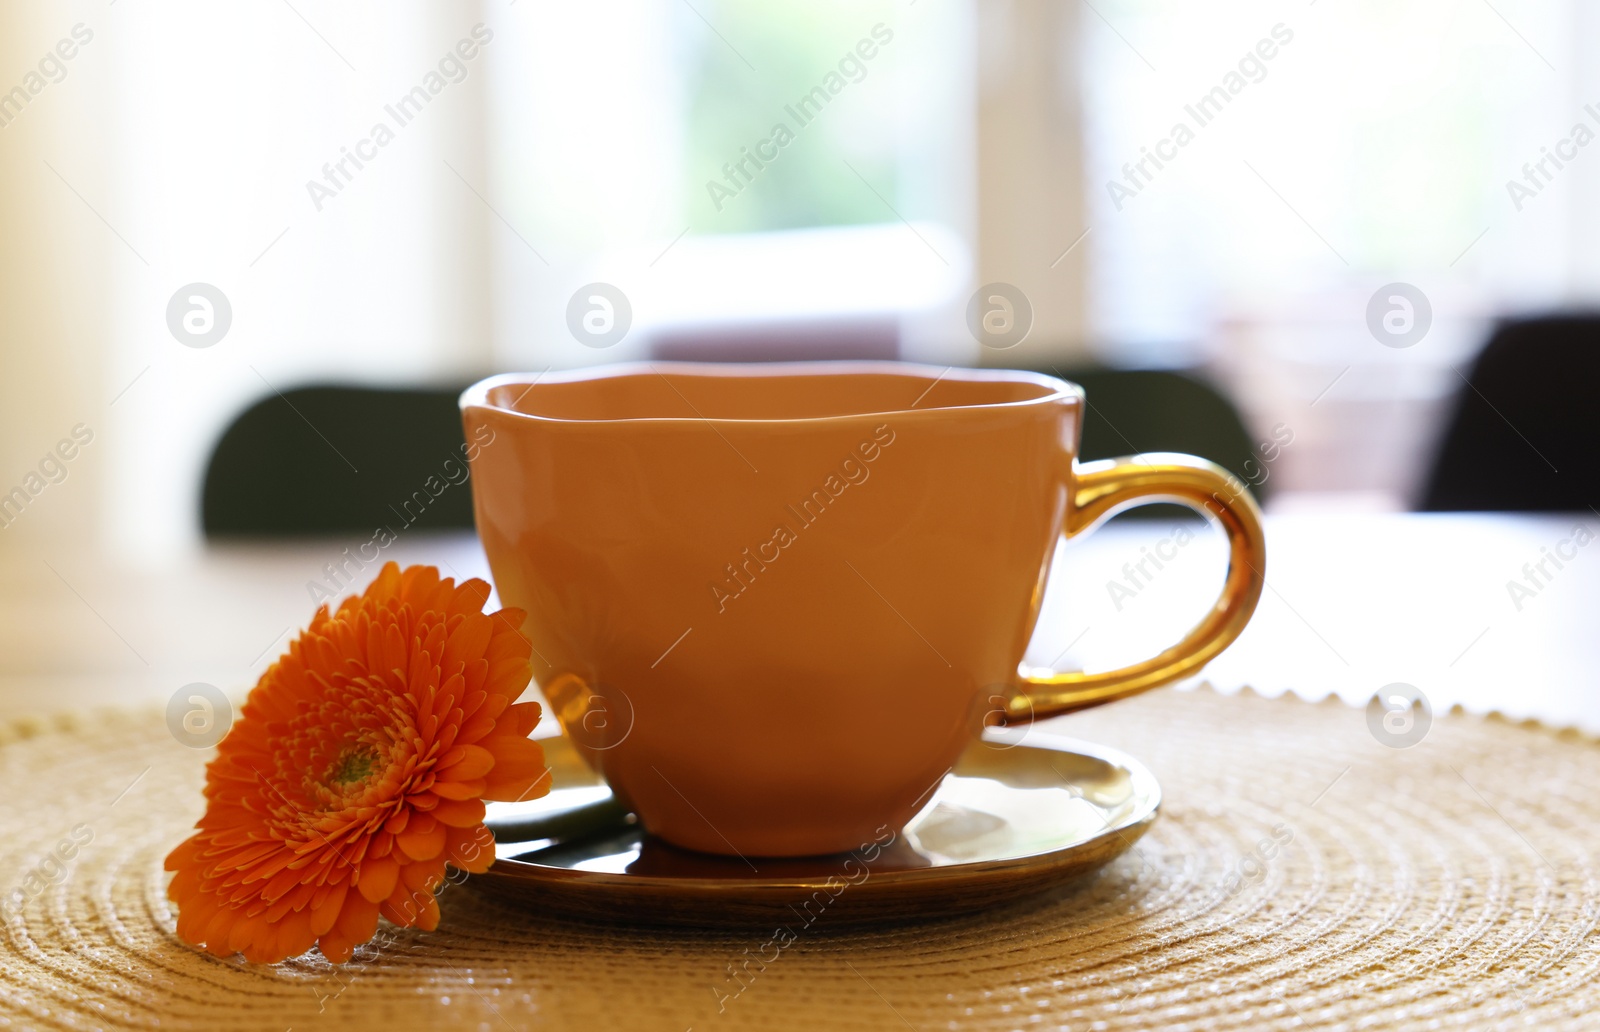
[[1525, 435], [1144, 410], [329, 460]]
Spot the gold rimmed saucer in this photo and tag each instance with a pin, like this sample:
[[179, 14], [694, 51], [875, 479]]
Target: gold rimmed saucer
[[1022, 811]]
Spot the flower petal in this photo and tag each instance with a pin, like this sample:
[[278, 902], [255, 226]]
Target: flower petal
[[471, 849], [468, 641], [376, 879], [358, 920], [423, 840], [326, 913], [519, 771], [459, 813], [412, 912], [459, 789], [470, 763]]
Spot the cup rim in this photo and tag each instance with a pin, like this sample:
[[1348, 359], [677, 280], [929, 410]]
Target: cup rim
[[1058, 390]]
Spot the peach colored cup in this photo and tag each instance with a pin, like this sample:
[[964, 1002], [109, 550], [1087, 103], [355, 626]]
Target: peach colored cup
[[771, 604]]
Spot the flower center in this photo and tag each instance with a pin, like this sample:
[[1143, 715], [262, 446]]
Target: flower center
[[352, 766]]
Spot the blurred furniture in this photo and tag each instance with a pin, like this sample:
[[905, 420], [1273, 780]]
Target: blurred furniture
[[338, 459], [1524, 435], [328, 460], [1144, 410]]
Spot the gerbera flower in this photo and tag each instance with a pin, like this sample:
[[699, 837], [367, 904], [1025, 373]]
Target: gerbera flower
[[357, 769]]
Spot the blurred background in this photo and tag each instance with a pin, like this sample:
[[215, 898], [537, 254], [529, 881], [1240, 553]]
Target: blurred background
[[1319, 212]]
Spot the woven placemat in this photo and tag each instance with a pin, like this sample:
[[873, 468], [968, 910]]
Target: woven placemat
[[1302, 874]]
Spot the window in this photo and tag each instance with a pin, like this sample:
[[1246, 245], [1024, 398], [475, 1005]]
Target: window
[[728, 161], [1300, 158]]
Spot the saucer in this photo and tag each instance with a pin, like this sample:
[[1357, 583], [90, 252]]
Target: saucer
[[1021, 812]]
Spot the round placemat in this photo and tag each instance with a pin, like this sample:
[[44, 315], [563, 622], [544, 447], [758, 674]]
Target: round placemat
[[1306, 871]]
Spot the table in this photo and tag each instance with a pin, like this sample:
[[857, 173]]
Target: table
[[1301, 874], [1454, 605]]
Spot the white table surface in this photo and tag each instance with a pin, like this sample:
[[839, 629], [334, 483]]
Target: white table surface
[[1353, 603]]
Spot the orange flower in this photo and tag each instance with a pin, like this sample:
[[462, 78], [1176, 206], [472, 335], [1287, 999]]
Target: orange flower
[[357, 768]]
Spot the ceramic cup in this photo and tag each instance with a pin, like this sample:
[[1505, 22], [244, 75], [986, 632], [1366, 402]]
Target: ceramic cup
[[771, 604]]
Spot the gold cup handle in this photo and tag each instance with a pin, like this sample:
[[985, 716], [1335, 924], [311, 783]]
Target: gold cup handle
[[1108, 487]]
